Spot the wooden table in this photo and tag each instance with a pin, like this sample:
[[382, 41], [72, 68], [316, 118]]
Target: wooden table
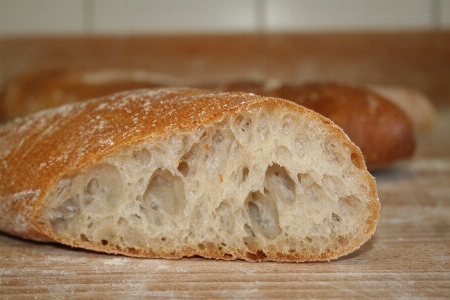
[[409, 256]]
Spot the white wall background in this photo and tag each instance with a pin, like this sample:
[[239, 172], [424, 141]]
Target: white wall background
[[34, 17]]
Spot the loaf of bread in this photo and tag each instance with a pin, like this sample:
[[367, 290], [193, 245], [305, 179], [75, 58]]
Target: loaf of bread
[[179, 172], [381, 130]]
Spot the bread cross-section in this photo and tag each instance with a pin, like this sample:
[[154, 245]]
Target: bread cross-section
[[180, 172]]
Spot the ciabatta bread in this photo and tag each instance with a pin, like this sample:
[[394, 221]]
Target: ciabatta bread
[[172, 173]]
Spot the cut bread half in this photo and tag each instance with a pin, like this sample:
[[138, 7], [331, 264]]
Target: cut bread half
[[173, 173]]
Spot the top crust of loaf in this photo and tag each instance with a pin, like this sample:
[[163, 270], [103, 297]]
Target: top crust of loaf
[[40, 149]]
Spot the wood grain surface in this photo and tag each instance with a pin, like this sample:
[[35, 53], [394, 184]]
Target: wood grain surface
[[408, 258]]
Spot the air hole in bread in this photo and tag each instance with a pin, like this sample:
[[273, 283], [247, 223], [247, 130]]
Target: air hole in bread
[[332, 184], [183, 167], [317, 193], [256, 255], [263, 130], [201, 246], [280, 183], [342, 240], [251, 243], [218, 149], [261, 254], [288, 124], [226, 217], [122, 222], [331, 151], [301, 144], [244, 173], [104, 242], [92, 187], [263, 214], [210, 246], [218, 139], [284, 152], [249, 230], [348, 205], [242, 128], [251, 256], [243, 123], [336, 217], [357, 160], [165, 191], [103, 185], [65, 212], [301, 177], [152, 216]]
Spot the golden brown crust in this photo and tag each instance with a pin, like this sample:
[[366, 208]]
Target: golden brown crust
[[38, 150]]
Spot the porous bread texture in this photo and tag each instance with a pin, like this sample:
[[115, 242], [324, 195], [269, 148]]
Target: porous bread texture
[[262, 183]]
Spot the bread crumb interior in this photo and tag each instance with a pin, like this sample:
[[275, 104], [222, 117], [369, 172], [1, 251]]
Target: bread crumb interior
[[254, 183]]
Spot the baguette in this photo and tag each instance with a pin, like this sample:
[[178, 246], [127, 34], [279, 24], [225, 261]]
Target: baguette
[[171, 173]]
